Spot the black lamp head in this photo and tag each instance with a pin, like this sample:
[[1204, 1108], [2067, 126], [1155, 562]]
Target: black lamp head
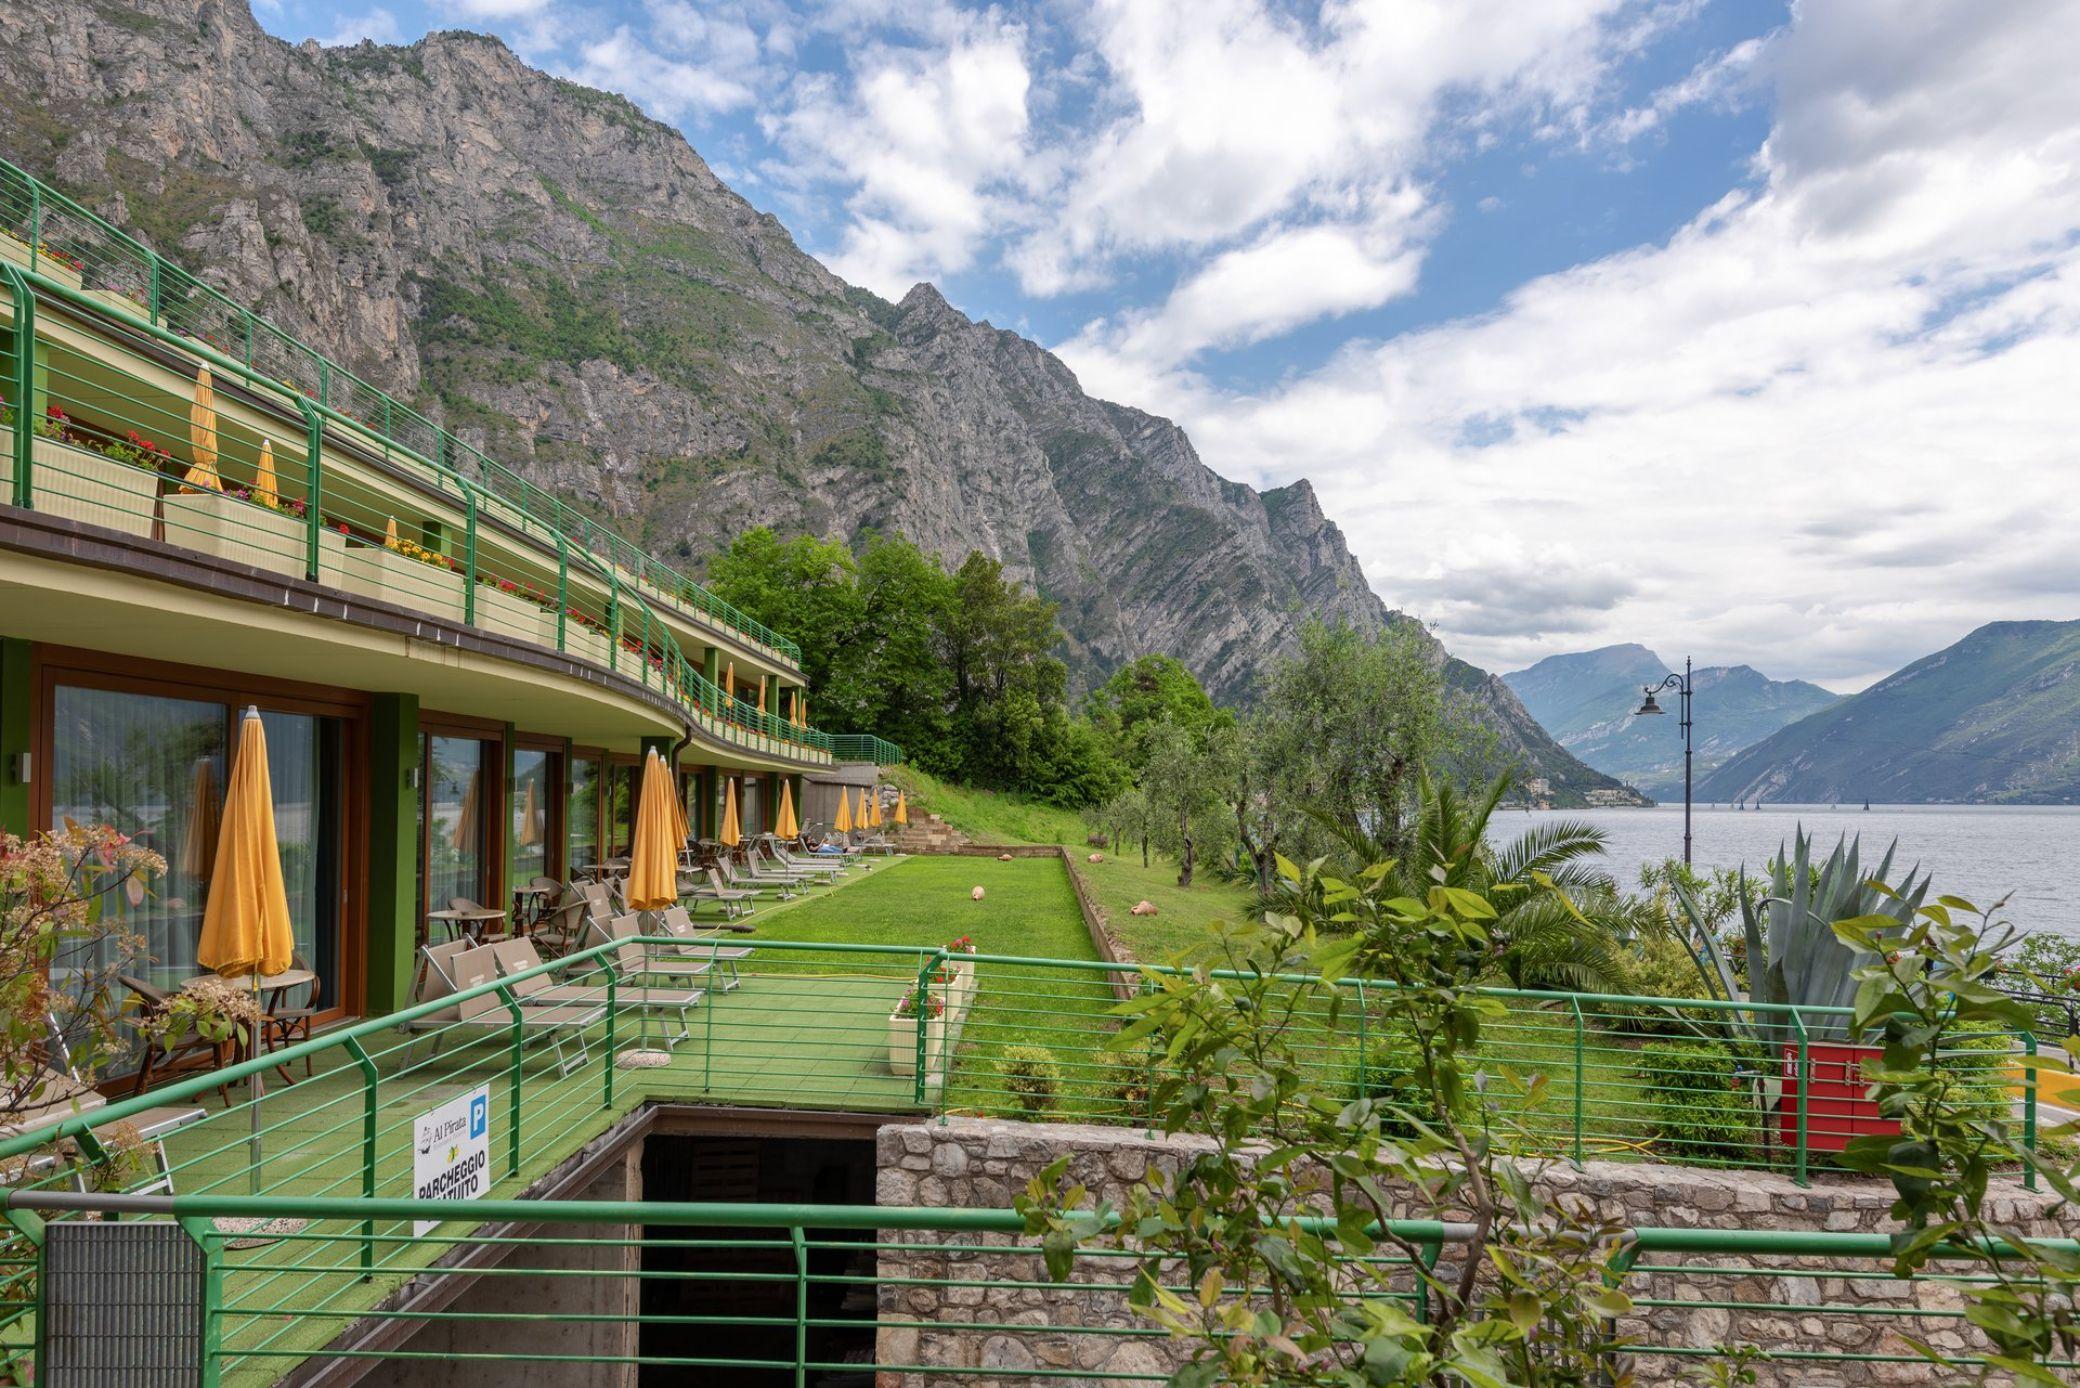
[[1647, 706]]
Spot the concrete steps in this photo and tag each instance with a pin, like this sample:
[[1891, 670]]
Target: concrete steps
[[929, 834]]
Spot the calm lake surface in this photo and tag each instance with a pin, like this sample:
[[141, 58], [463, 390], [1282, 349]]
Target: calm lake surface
[[2030, 854]]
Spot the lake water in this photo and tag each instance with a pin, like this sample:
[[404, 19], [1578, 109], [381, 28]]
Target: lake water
[[2029, 853]]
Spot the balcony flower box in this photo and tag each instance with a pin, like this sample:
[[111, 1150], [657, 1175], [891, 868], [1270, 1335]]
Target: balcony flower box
[[581, 642], [15, 250], [243, 532], [80, 484], [902, 1045], [387, 575], [122, 301], [511, 614]]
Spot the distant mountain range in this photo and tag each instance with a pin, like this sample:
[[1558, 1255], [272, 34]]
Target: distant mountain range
[[1995, 717], [1586, 701]]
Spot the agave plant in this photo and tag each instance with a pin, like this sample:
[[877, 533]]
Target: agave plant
[[1794, 956]]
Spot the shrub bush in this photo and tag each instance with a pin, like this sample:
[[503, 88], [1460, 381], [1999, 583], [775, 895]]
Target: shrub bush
[[1032, 1079], [1659, 966], [1701, 1108], [1388, 1076]]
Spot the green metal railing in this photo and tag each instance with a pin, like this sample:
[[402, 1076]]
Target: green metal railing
[[823, 1025], [865, 747], [106, 432], [927, 1293], [49, 234]]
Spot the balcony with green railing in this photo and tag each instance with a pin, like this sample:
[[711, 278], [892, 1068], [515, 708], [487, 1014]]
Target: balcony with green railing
[[110, 437], [75, 252]]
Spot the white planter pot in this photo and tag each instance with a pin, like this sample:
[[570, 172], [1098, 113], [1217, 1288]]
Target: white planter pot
[[16, 252], [902, 1046], [411, 584], [90, 487], [961, 992], [240, 531], [120, 302], [583, 642], [509, 614]]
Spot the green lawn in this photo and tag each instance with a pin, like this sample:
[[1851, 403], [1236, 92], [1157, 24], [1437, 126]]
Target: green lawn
[[1027, 909], [988, 816], [1184, 915]]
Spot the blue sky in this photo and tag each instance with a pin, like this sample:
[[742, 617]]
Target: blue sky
[[1739, 328]]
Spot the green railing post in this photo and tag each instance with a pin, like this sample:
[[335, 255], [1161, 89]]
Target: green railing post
[[469, 556], [152, 290], [613, 1028], [370, 1108], [35, 222], [1805, 1091], [209, 1372], [313, 487], [1581, 1080], [22, 465], [613, 620], [513, 1085], [801, 1306], [563, 591], [924, 1017], [2029, 1111], [1364, 1079]]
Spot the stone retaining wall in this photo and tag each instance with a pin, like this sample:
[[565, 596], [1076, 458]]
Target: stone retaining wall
[[983, 1163]]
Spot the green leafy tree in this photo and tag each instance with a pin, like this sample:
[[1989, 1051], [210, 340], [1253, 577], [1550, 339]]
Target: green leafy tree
[[1283, 1228], [1146, 692]]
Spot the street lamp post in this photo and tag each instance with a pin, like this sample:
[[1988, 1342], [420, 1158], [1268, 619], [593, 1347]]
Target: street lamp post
[[1681, 684]]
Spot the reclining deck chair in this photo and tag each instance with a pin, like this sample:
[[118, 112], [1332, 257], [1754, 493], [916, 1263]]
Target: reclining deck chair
[[518, 956], [455, 967]]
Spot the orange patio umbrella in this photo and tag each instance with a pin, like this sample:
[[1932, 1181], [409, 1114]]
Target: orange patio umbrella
[[902, 807], [530, 831], [843, 823], [202, 437], [874, 810], [465, 834], [732, 832], [199, 843], [785, 824], [245, 928], [390, 533], [266, 490], [685, 827], [859, 818], [653, 865]]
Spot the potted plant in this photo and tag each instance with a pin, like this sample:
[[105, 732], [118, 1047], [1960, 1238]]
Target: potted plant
[[1795, 959], [960, 968], [514, 610], [902, 1030], [237, 525], [49, 261], [394, 570], [584, 637], [108, 484]]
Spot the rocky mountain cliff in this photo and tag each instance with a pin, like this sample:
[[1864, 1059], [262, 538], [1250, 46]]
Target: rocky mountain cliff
[[1586, 699], [566, 283], [1994, 718]]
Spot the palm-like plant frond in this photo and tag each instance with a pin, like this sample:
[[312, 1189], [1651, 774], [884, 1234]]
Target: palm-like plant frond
[[1556, 849]]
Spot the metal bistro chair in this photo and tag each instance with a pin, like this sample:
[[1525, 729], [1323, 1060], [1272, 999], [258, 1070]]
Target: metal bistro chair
[[190, 1052]]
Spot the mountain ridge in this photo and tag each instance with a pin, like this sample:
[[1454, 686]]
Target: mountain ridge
[[1585, 699], [566, 283], [1992, 718]]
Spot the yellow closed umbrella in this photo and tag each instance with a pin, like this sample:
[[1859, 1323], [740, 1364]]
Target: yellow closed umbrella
[[464, 837], [266, 490], [679, 821], [732, 832], [390, 533], [902, 807], [202, 437], [530, 832], [859, 819], [874, 809], [245, 927], [653, 865], [199, 844], [843, 823], [785, 825]]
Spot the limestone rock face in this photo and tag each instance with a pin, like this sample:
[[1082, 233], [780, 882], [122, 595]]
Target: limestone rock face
[[567, 284]]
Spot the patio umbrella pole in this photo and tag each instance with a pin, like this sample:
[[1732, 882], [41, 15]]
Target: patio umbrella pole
[[259, 1093]]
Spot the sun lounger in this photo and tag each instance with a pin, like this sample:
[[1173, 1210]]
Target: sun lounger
[[61, 1095], [735, 901], [741, 878], [445, 970], [514, 957], [827, 870], [636, 958], [722, 959], [816, 877]]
